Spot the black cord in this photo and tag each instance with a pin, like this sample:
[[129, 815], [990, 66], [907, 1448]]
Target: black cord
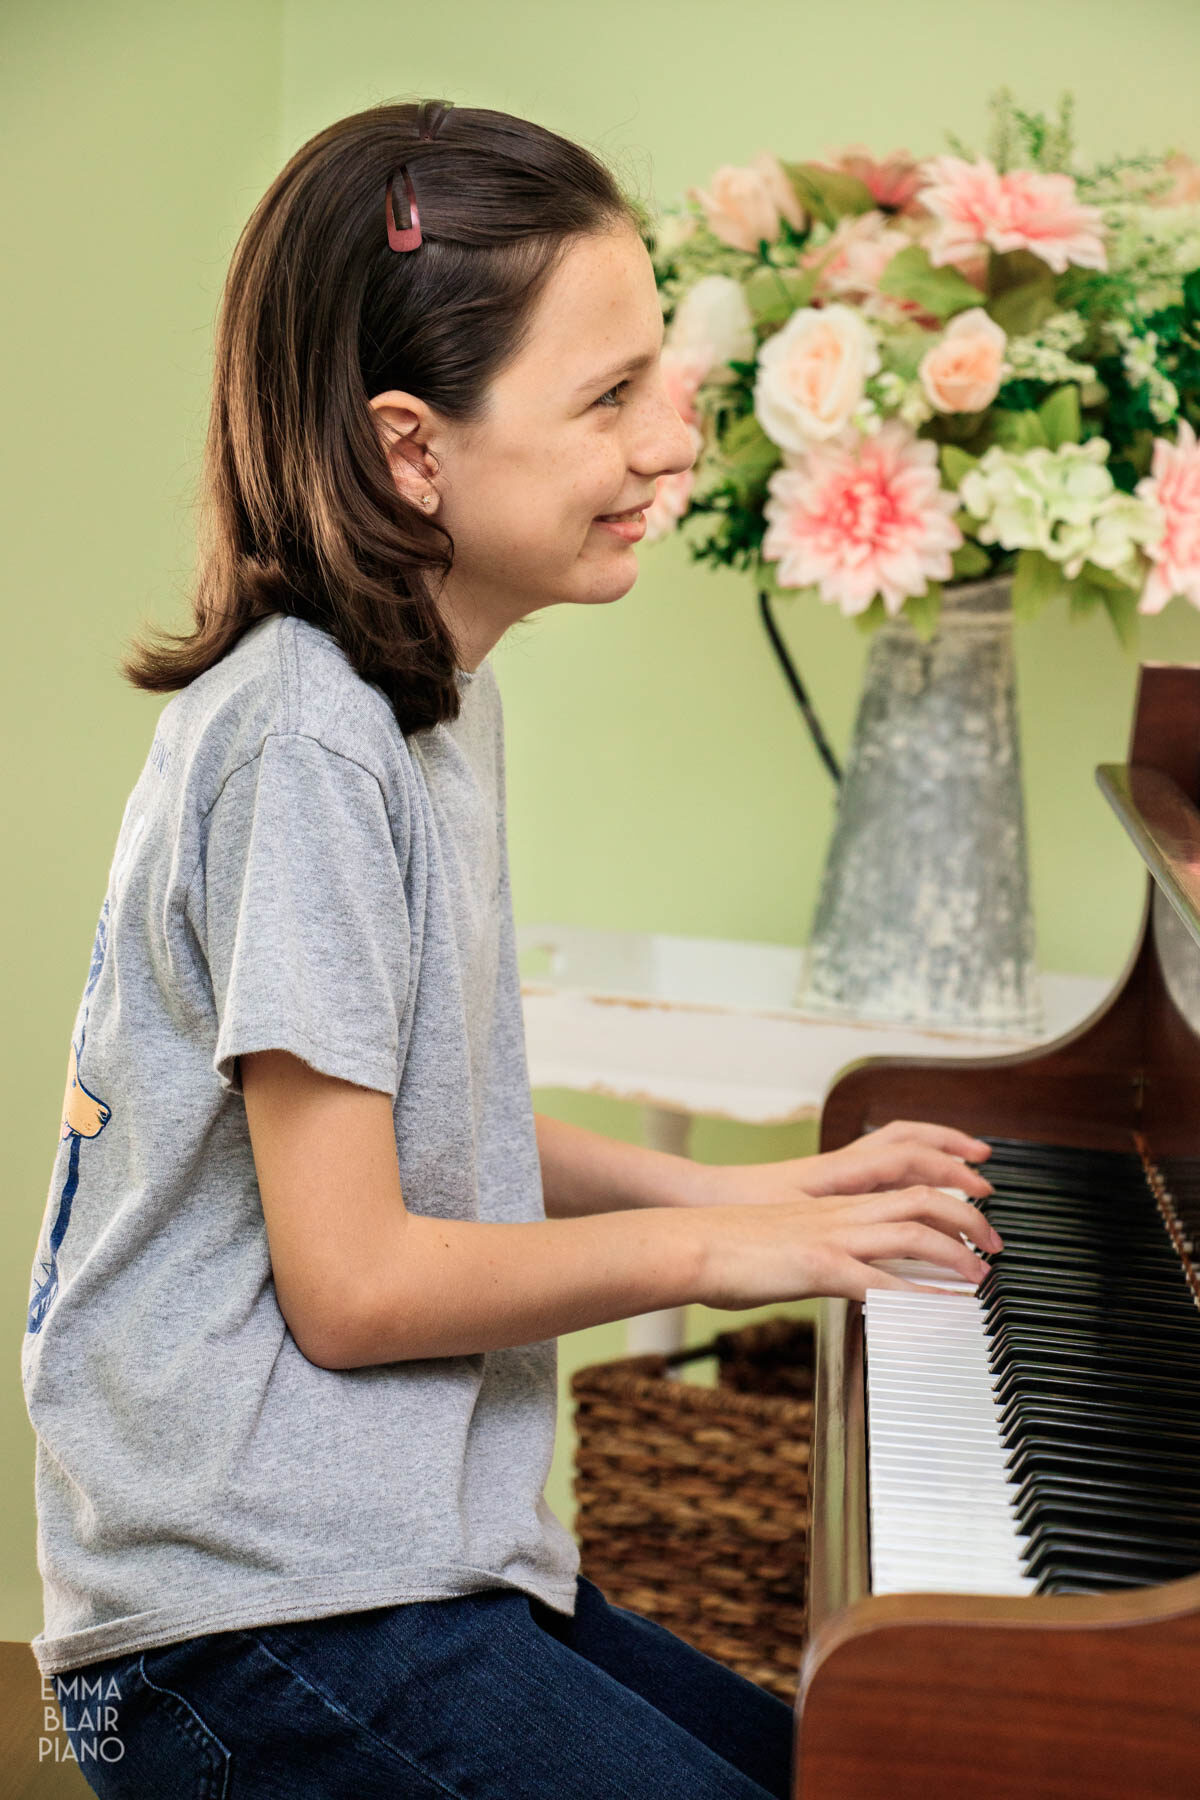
[[816, 730]]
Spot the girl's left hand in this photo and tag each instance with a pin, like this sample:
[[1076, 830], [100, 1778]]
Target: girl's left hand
[[906, 1153]]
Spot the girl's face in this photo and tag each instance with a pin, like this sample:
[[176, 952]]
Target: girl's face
[[579, 425]]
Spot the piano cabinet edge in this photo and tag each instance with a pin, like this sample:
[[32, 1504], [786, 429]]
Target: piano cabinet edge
[[904, 1696]]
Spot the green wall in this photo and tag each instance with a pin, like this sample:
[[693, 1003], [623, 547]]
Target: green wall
[[135, 140]]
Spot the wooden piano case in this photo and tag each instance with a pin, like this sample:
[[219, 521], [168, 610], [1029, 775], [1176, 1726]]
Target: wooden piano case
[[1071, 1697]]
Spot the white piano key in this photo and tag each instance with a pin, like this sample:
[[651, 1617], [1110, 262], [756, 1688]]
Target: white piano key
[[941, 1503], [925, 1274]]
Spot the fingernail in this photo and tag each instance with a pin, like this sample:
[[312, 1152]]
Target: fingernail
[[997, 1241]]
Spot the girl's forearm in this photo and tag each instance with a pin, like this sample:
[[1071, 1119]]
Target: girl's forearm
[[454, 1287], [584, 1172]]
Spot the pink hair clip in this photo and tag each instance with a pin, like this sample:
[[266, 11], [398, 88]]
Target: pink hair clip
[[408, 237], [430, 117]]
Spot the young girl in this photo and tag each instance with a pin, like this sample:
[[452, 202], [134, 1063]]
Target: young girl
[[290, 1350]]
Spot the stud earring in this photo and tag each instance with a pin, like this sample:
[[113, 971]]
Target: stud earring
[[426, 499]]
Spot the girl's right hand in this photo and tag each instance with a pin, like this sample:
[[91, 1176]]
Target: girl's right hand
[[797, 1249]]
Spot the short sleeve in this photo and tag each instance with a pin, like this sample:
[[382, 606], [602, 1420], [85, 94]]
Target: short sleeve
[[306, 920]]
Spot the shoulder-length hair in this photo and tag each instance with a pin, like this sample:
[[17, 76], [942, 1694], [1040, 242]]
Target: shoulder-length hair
[[299, 512]]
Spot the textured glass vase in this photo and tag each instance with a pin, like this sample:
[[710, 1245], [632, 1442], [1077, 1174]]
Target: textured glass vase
[[924, 915]]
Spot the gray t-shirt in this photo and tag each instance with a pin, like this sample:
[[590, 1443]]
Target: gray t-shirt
[[290, 873]]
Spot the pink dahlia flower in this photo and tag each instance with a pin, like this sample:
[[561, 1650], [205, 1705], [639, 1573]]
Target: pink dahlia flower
[[1023, 210], [1174, 484], [863, 517], [893, 180]]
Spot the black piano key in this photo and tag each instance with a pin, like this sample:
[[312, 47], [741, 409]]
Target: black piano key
[[1140, 1427], [1045, 1502], [1092, 1334], [1180, 1332], [1060, 1526], [1057, 1458], [1080, 1418], [1064, 1376], [1056, 1552]]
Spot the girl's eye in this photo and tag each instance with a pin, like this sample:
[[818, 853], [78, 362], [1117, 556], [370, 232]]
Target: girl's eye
[[611, 399]]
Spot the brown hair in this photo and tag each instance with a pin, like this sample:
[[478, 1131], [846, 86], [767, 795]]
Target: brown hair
[[299, 510]]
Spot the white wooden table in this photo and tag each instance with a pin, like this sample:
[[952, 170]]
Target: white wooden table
[[683, 1026]]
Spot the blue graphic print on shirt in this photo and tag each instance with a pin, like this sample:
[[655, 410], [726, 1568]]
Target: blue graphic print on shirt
[[84, 1116]]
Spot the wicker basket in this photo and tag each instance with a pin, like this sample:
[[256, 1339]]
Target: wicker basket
[[692, 1502]]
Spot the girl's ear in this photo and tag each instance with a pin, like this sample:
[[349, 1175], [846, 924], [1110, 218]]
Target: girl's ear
[[401, 422]]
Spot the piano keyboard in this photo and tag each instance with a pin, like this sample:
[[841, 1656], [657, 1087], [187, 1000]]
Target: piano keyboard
[[1041, 1434]]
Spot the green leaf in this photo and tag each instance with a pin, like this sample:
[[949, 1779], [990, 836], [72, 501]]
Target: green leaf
[[748, 454], [1036, 580], [1108, 579], [1021, 291], [923, 611], [911, 276], [1094, 588], [773, 295], [1018, 430], [1059, 413], [742, 434], [906, 346], [1123, 611], [875, 615], [970, 559], [1082, 597], [829, 194], [956, 463]]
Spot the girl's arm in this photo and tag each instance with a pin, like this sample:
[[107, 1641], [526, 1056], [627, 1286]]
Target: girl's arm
[[585, 1172], [360, 1280]]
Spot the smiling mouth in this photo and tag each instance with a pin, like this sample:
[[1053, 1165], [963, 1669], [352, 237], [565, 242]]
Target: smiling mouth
[[635, 512]]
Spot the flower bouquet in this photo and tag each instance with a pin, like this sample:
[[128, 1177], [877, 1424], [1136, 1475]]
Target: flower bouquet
[[937, 393]]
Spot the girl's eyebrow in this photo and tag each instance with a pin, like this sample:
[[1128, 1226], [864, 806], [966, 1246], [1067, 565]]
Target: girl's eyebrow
[[622, 368]]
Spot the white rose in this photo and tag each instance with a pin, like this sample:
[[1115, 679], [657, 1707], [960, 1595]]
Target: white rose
[[812, 375], [713, 316]]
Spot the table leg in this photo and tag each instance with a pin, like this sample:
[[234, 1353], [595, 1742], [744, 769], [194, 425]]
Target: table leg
[[664, 1331]]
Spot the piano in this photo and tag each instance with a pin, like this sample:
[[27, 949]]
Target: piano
[[1004, 1568]]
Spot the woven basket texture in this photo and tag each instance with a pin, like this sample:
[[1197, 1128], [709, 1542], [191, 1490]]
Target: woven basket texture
[[692, 1502]]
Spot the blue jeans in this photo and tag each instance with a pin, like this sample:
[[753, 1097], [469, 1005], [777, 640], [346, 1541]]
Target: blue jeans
[[486, 1695]]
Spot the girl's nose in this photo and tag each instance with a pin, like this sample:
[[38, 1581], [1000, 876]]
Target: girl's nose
[[671, 449]]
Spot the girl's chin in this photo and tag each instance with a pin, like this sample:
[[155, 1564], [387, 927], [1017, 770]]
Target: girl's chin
[[600, 580]]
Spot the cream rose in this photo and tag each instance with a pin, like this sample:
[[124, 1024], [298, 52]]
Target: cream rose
[[744, 205], [713, 318], [812, 375], [961, 373]]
